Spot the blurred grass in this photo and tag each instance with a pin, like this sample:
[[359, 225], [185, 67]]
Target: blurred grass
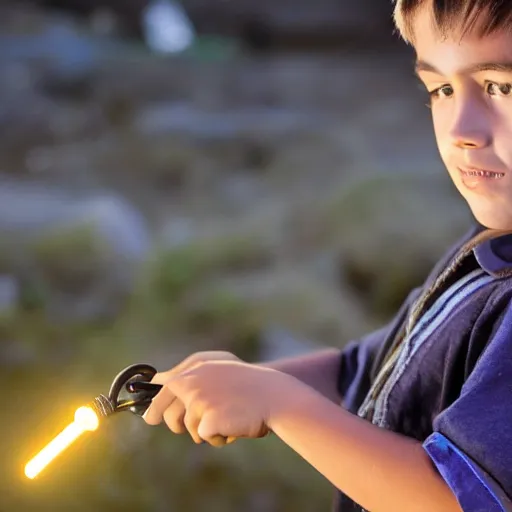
[[126, 465]]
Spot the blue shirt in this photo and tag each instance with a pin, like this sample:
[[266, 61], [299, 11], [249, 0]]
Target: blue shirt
[[451, 384]]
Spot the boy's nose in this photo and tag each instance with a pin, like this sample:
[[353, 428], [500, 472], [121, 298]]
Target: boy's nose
[[470, 127], [471, 139]]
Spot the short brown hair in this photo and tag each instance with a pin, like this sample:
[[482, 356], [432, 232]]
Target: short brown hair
[[451, 15]]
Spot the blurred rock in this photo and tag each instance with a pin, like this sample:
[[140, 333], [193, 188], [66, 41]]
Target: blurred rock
[[167, 28], [225, 125], [57, 43], [127, 13], [276, 343], [61, 53], [302, 304], [9, 294], [85, 251], [178, 232]]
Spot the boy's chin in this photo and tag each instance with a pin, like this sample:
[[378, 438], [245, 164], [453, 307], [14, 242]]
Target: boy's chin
[[493, 219]]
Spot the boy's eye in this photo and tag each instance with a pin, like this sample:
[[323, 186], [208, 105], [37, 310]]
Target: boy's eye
[[494, 89], [444, 91]]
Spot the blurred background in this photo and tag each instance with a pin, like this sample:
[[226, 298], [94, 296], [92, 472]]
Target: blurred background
[[258, 177]]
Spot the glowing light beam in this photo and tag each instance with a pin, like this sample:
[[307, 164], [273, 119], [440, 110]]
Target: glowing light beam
[[86, 419]]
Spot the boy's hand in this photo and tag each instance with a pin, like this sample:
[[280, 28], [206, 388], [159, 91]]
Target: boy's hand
[[175, 413], [222, 398]]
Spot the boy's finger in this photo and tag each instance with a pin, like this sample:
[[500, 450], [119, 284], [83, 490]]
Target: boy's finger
[[155, 412], [211, 433], [162, 377], [219, 441], [210, 430], [186, 364], [191, 421], [174, 417]]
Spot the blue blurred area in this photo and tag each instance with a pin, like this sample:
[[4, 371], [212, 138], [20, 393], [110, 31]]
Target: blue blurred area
[[56, 42]]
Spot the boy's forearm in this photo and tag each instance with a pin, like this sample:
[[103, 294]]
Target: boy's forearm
[[381, 470], [318, 370]]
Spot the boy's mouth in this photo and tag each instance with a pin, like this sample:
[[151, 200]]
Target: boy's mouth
[[473, 177], [481, 173]]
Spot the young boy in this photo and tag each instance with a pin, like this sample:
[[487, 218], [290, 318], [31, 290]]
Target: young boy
[[427, 399]]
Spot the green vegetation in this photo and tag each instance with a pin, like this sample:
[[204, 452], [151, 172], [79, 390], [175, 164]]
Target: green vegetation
[[127, 465]]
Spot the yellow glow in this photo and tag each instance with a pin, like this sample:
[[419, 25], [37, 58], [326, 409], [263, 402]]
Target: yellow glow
[[85, 420]]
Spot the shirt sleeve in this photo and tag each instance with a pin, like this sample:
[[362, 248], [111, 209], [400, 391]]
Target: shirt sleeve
[[471, 445]]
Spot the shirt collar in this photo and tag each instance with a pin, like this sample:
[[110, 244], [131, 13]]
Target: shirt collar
[[495, 256]]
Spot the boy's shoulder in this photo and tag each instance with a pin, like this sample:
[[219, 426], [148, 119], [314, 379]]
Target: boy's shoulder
[[487, 291], [490, 251], [474, 277], [494, 254], [494, 258]]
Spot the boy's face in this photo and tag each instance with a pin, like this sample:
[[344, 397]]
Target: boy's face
[[471, 101]]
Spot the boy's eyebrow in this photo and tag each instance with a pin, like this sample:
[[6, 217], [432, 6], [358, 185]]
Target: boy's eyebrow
[[504, 67]]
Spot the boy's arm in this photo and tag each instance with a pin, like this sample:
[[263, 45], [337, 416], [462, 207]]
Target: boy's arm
[[471, 445], [380, 470]]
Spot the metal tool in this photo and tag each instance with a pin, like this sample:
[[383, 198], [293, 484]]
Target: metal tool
[[131, 390]]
